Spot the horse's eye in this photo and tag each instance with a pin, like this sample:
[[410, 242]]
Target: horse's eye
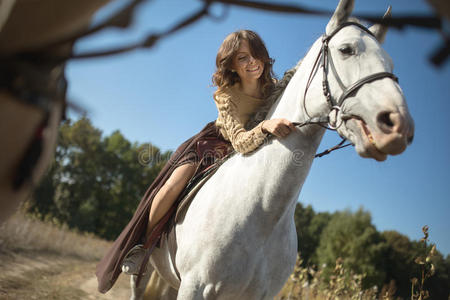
[[347, 50]]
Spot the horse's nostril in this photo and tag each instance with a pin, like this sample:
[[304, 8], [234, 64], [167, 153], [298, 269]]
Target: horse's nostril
[[384, 118], [388, 122], [410, 139]]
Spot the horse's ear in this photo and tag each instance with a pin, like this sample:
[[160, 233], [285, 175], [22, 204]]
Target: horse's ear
[[378, 30], [341, 14]]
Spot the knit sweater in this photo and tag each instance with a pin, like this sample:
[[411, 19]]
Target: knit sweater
[[234, 110]]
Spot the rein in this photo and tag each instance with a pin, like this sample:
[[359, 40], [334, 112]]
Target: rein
[[325, 59]]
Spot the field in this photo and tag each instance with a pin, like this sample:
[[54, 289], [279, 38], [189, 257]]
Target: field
[[43, 261]]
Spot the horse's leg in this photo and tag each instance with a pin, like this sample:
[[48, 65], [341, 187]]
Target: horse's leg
[[189, 290], [151, 287], [137, 291], [192, 289], [159, 289]]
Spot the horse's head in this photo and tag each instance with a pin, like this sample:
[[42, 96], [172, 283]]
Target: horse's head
[[372, 114]]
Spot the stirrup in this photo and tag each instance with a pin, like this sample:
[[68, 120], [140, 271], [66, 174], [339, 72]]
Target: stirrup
[[133, 260]]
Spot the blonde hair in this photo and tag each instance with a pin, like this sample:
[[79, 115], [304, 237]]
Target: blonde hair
[[224, 77]]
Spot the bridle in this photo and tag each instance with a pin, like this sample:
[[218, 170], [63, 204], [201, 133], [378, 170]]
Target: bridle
[[325, 59]]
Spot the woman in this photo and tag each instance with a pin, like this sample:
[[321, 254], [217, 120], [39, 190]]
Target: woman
[[243, 77]]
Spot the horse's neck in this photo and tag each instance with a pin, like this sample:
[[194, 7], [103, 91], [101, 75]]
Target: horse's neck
[[291, 104], [286, 162]]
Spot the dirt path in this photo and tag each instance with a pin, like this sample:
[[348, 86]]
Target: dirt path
[[46, 275]]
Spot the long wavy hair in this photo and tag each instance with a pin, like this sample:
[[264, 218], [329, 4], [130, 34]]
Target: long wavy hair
[[224, 77]]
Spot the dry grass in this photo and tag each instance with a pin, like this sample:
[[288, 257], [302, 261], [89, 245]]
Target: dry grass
[[427, 269], [43, 261], [23, 233], [308, 283], [49, 282]]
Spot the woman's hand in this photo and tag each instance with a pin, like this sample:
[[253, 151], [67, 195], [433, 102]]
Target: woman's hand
[[278, 127]]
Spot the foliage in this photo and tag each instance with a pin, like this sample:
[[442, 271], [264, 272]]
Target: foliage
[[401, 265], [399, 260], [95, 183], [309, 226], [360, 248], [309, 283], [352, 237], [427, 269], [343, 283]]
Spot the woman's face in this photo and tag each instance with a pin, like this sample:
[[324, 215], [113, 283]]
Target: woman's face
[[247, 67]]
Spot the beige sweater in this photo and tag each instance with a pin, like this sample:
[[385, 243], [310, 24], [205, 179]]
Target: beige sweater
[[234, 111]]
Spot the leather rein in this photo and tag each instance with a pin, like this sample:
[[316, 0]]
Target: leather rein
[[325, 59]]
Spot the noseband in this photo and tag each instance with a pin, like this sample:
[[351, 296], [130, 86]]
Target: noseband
[[326, 60]]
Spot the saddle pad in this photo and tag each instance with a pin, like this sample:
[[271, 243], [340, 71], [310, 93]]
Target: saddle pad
[[186, 200]]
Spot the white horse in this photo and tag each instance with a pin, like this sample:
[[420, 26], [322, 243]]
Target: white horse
[[238, 238]]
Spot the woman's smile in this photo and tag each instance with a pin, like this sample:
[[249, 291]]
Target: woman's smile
[[255, 69], [245, 65]]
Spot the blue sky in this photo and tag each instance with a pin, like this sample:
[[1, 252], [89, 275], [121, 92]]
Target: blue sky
[[164, 96]]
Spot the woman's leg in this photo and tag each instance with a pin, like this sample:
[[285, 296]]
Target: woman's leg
[[169, 192], [161, 203]]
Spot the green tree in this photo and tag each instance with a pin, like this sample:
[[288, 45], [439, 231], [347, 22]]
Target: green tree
[[95, 183], [399, 258], [352, 237], [401, 267], [309, 225]]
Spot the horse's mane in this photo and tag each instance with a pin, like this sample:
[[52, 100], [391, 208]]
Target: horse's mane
[[280, 86]]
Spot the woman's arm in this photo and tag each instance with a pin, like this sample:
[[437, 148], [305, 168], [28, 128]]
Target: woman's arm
[[243, 141]]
